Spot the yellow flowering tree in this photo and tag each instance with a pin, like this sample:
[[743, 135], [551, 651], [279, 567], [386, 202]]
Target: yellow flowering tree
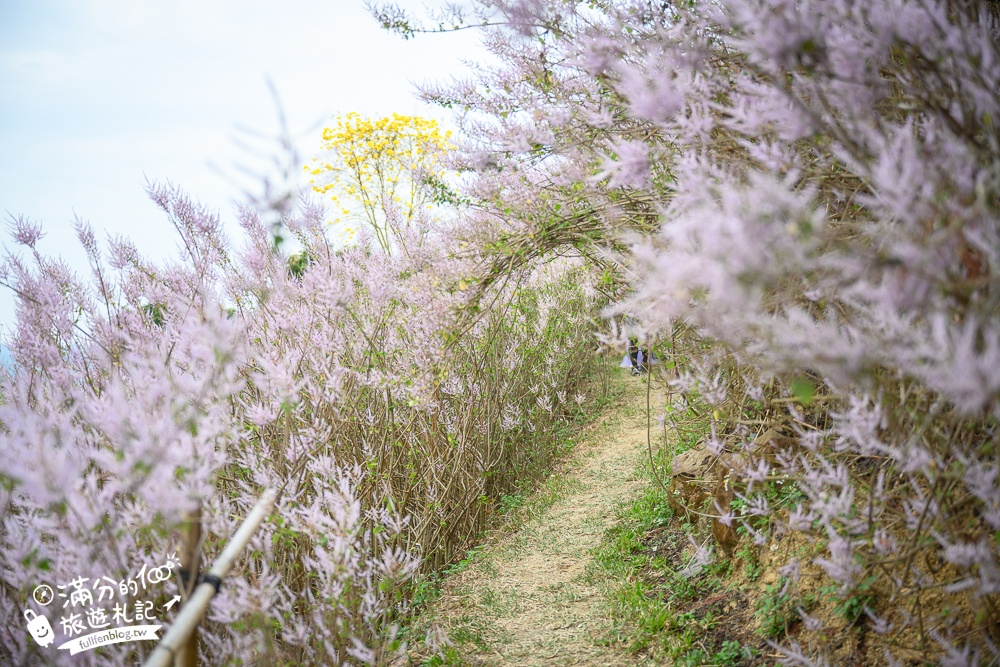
[[379, 170]]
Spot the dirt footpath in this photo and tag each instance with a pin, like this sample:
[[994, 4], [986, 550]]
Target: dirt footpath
[[525, 600]]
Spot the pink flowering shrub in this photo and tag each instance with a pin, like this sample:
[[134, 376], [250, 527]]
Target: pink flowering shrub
[[386, 419], [810, 192]]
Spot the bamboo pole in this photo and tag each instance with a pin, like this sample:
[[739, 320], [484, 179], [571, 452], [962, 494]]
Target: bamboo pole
[[190, 563], [189, 617]]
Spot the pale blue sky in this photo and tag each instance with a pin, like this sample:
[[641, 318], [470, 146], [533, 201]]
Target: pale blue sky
[[97, 95]]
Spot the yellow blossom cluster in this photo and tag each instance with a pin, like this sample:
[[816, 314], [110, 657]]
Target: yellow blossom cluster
[[372, 165]]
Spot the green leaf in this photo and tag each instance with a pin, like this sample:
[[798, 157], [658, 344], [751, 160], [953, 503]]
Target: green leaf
[[803, 390]]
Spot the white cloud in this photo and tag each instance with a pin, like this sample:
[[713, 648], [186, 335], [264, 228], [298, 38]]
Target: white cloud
[[29, 59]]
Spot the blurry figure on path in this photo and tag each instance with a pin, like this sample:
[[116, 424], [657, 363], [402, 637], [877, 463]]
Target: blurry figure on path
[[639, 357]]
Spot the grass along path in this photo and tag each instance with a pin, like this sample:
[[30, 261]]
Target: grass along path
[[525, 598]]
